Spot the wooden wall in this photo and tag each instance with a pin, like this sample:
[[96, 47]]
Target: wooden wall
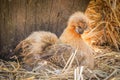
[[18, 18]]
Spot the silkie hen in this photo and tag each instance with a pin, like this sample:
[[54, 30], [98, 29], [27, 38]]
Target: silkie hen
[[43, 45]]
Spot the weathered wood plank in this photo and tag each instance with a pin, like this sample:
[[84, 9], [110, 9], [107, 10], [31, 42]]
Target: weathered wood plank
[[4, 33], [30, 16], [20, 20], [0, 27]]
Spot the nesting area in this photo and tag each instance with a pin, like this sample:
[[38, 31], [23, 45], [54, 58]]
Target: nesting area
[[107, 67], [103, 36]]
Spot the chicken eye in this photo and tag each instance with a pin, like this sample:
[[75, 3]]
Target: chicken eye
[[79, 30]]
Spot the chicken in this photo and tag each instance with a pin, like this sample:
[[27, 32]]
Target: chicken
[[33, 47], [77, 23], [43, 45]]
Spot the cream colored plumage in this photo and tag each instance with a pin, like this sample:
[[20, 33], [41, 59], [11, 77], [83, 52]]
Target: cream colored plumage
[[74, 39], [45, 45]]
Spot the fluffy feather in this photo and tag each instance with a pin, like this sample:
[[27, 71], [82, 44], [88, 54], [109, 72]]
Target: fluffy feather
[[37, 42], [71, 37], [33, 47], [45, 45]]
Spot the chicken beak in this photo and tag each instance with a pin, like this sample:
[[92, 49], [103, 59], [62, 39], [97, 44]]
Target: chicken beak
[[79, 30]]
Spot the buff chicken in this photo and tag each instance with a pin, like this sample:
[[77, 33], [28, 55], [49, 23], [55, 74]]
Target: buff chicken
[[42, 45]]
